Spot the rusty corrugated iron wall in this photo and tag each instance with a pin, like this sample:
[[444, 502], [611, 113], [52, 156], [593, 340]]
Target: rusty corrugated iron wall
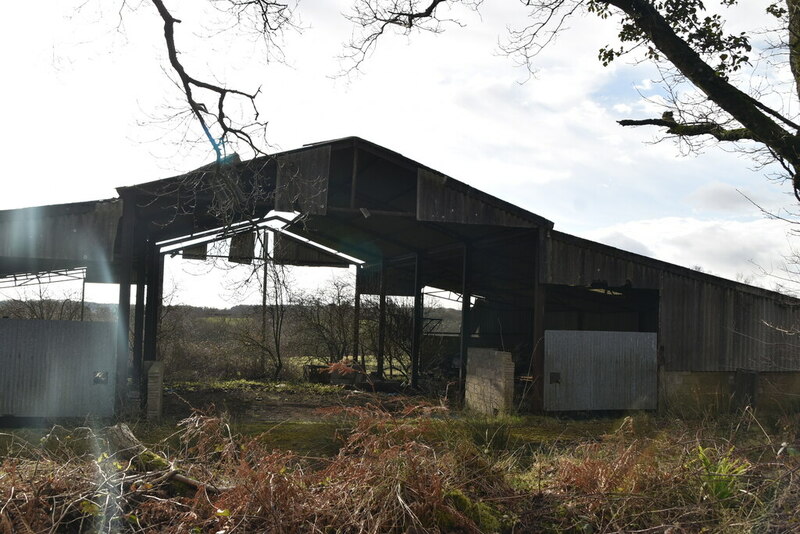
[[57, 368], [706, 323], [600, 371]]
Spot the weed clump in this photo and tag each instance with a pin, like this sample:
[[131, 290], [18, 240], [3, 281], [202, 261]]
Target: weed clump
[[386, 477]]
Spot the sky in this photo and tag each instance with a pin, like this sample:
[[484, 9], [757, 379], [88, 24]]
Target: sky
[[90, 106]]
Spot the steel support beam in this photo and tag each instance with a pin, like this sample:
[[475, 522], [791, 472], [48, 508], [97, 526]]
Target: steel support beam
[[357, 325], [382, 322], [354, 179], [419, 308], [138, 330], [152, 312], [125, 266], [466, 297], [539, 300]]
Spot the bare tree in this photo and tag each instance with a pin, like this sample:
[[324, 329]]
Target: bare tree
[[398, 334], [263, 335], [275, 297], [325, 317]]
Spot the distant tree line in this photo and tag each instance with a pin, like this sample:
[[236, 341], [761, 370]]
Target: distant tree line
[[316, 328]]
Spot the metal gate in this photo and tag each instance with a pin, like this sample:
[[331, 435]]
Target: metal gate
[[587, 370], [57, 368]]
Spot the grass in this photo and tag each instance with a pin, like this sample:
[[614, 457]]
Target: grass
[[306, 438], [254, 385]]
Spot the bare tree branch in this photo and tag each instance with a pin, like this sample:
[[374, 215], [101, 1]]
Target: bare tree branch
[[375, 17], [692, 129], [189, 83]]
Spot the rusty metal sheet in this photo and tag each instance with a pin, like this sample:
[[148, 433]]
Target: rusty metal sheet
[[57, 368], [585, 370], [242, 248], [302, 181], [399, 280], [288, 251], [68, 234], [196, 252]]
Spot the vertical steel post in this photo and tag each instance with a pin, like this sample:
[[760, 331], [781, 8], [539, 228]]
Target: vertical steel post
[[152, 311], [466, 297], [124, 268], [264, 282], [83, 295], [416, 337], [382, 322], [138, 331], [357, 323], [539, 309]]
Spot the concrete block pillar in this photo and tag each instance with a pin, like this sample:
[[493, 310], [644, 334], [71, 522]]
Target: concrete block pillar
[[490, 381], [155, 390]]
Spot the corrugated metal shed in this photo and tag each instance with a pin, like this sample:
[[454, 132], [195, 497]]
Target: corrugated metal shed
[[420, 228]]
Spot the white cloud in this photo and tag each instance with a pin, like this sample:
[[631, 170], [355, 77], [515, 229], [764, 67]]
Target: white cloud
[[721, 197], [725, 248]]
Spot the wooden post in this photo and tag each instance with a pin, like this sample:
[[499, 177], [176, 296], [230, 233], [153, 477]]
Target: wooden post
[[382, 322], [419, 306], [466, 297]]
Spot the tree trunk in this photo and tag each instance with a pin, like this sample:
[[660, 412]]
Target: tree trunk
[[793, 8]]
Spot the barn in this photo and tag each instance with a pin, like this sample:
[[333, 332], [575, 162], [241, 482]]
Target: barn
[[550, 322]]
